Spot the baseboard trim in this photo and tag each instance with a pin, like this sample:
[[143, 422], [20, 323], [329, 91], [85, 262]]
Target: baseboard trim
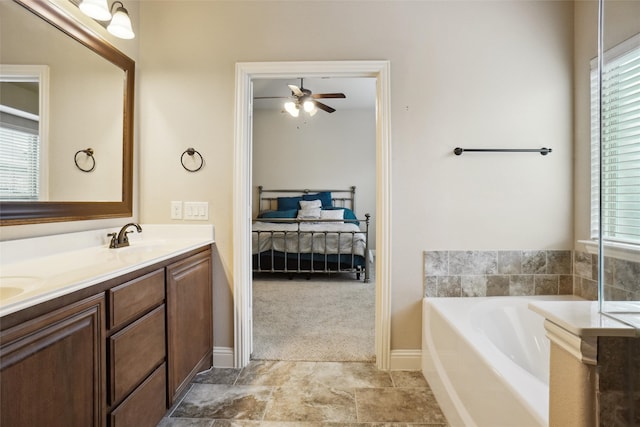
[[401, 360], [406, 360], [223, 357]]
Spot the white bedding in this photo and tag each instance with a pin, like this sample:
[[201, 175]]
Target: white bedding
[[286, 239]]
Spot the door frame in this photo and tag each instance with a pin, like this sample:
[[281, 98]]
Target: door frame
[[243, 194]]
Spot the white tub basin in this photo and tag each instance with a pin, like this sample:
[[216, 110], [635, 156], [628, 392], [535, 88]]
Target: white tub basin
[[487, 360]]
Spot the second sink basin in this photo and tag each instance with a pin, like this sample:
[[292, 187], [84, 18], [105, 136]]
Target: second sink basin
[[12, 286], [7, 292]]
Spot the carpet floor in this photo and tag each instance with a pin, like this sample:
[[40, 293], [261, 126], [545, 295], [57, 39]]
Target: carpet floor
[[326, 318]]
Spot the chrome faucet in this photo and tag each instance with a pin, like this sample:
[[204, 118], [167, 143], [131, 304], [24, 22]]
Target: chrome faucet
[[120, 239]]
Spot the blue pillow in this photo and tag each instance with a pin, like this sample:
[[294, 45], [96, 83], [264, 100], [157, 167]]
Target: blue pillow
[[288, 203], [348, 214], [290, 213], [323, 196]]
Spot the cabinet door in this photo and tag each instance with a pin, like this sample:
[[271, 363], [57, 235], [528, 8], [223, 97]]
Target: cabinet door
[[189, 321], [52, 368]]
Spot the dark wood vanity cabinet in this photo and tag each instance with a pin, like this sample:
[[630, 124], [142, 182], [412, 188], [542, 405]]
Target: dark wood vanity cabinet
[[137, 351], [189, 321], [116, 358], [52, 368]]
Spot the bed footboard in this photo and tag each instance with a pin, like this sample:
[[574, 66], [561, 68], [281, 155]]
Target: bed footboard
[[347, 256]]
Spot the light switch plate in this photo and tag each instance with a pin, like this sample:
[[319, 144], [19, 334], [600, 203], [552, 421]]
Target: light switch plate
[[198, 211], [176, 210]]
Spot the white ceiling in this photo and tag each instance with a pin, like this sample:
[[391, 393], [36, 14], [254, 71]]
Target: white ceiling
[[360, 92]]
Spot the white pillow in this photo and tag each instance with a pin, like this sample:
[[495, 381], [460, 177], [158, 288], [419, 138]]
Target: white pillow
[[309, 213], [310, 204], [337, 214]]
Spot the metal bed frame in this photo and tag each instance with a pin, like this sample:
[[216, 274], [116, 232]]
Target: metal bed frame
[[271, 261]]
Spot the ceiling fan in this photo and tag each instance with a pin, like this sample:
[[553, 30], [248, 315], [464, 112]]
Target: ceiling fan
[[304, 99]]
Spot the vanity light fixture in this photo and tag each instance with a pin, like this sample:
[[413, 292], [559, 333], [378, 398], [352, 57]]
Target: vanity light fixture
[[120, 23], [96, 9]]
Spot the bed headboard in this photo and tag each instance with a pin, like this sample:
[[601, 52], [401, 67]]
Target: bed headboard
[[268, 199]]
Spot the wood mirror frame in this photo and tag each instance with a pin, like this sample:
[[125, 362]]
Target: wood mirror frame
[[16, 213]]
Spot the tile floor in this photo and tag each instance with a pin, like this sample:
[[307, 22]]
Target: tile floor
[[306, 394]]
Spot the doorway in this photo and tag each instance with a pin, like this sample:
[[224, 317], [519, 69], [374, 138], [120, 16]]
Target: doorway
[[245, 72]]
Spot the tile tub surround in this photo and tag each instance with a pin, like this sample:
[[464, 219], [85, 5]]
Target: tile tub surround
[[309, 394], [618, 381], [621, 277], [497, 273]]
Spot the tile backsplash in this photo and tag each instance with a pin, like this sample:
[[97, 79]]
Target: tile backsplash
[[527, 272]]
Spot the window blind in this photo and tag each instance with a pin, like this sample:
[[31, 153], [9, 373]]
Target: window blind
[[620, 159], [19, 158]]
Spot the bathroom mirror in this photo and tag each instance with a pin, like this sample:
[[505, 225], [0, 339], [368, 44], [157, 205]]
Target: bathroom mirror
[[90, 105]]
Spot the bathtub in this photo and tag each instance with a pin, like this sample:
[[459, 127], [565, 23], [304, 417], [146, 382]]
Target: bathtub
[[487, 360]]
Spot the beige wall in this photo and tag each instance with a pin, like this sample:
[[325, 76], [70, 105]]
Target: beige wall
[[470, 74], [328, 151]]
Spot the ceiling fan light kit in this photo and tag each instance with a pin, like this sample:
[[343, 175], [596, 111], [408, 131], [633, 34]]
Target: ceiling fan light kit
[[306, 100], [309, 106], [292, 108]]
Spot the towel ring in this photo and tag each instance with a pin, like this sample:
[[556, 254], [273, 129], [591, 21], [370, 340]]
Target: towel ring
[[192, 152], [89, 153]]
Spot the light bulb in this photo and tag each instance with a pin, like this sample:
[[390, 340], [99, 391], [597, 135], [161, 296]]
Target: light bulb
[[120, 25], [96, 9], [309, 106], [292, 108]]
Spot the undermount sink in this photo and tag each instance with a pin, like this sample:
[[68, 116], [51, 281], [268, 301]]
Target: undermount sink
[[12, 286], [143, 244], [7, 292]]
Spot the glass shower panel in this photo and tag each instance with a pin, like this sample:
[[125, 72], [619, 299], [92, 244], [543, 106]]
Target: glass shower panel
[[619, 265]]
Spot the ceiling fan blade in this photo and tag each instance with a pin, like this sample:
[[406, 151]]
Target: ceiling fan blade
[[296, 90], [328, 95], [324, 107]]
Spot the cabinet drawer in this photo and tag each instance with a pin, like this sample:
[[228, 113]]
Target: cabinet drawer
[[146, 405], [135, 351], [129, 300]]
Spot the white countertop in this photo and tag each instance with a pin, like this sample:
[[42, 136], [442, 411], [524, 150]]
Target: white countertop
[[581, 318], [39, 269]]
